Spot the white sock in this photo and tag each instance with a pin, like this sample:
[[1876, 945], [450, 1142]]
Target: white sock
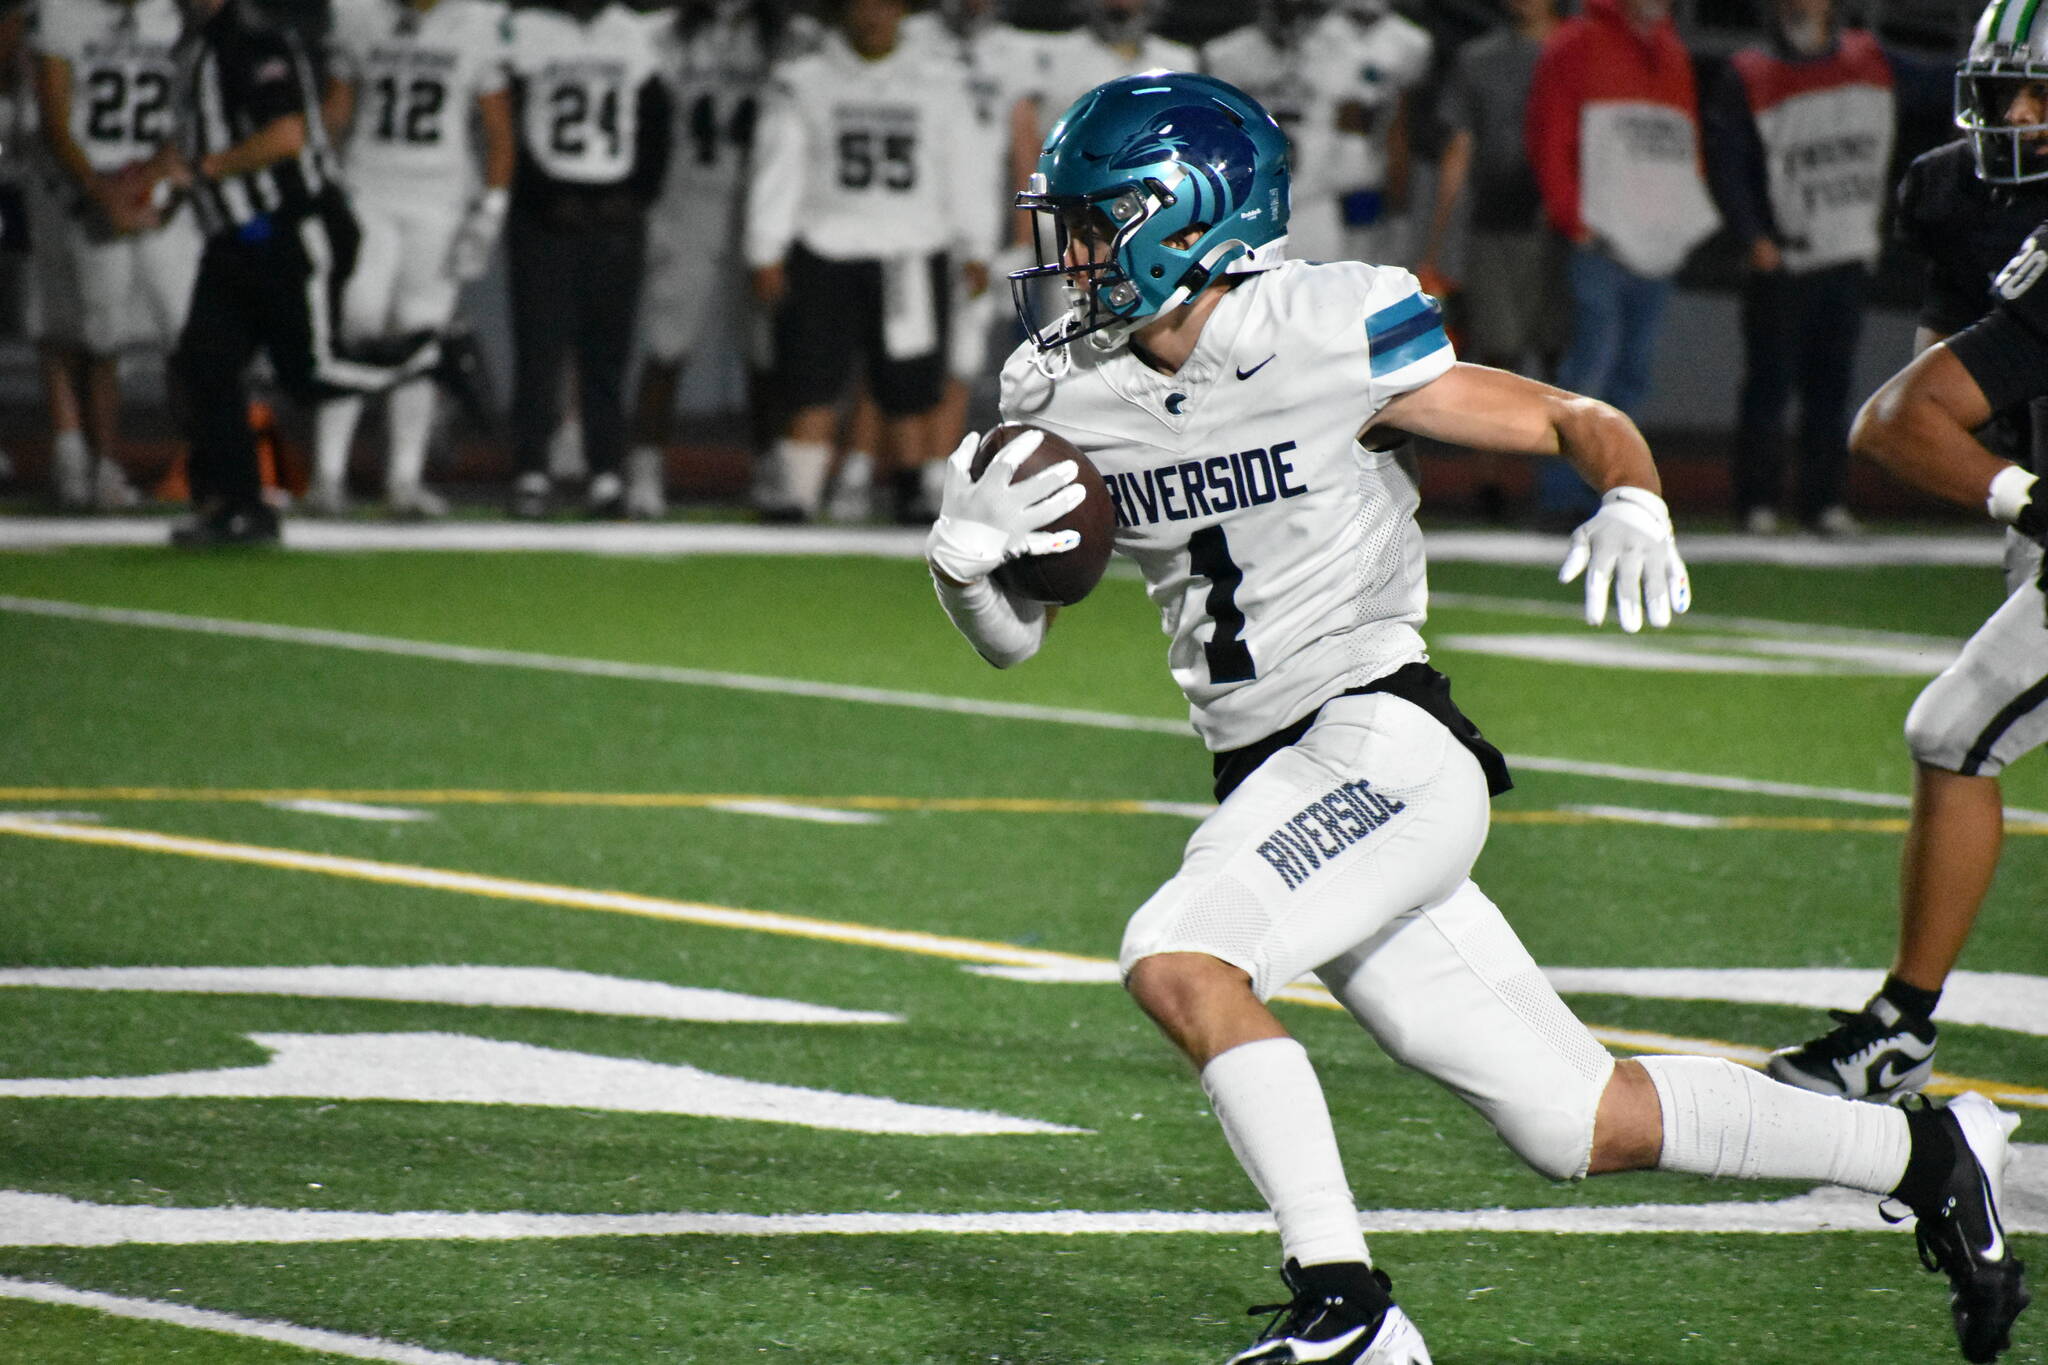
[[1723, 1119], [334, 433], [804, 465], [409, 418], [1267, 1097]]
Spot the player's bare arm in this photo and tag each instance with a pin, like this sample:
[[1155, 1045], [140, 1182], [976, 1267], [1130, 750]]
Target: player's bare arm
[[1628, 545], [1919, 425], [1488, 409]]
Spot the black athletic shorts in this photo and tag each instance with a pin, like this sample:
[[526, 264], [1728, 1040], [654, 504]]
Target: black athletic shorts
[[831, 318]]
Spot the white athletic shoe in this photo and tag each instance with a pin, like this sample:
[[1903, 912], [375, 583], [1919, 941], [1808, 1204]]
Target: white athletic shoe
[[853, 491], [71, 471], [646, 498], [1835, 523], [415, 504], [1760, 521], [326, 500], [111, 491]]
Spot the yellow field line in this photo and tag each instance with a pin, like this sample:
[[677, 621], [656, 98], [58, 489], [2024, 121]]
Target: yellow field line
[[1001, 805], [793, 926]]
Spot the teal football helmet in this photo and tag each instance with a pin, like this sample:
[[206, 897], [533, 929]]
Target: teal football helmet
[[1125, 174]]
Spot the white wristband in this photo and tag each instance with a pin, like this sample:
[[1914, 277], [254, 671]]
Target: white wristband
[[1004, 630], [2012, 488]]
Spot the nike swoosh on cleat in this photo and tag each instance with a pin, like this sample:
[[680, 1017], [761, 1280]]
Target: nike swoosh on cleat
[[1247, 374], [1995, 1249], [1886, 1078]]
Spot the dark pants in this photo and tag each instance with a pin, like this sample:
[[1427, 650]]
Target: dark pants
[[1799, 333], [574, 290], [272, 286]]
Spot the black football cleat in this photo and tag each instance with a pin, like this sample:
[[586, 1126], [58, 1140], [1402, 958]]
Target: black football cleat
[[1341, 1314], [218, 524], [461, 372], [1875, 1053], [1960, 1233]]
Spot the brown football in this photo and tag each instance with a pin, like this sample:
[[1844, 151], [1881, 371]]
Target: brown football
[[1061, 579]]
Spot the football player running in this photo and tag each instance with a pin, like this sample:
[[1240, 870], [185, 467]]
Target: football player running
[[1241, 406], [411, 76], [1965, 206]]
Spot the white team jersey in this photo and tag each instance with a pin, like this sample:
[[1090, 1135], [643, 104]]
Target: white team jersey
[[1384, 59], [581, 84], [418, 75], [1001, 64], [862, 159], [1077, 61], [1283, 556], [719, 73], [122, 72], [1302, 83]]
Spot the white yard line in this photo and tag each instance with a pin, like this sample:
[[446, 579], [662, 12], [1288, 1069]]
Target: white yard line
[[51, 1220], [790, 810], [923, 701], [697, 538], [229, 1324], [351, 810]]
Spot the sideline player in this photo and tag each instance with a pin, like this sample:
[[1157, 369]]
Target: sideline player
[[1241, 405], [409, 76], [867, 195], [591, 101], [1965, 206], [104, 77], [722, 49]]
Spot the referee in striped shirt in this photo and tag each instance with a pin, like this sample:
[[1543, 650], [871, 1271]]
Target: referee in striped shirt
[[253, 156]]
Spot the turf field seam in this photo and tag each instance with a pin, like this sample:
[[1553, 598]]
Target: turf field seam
[[663, 673], [229, 1324], [775, 922]]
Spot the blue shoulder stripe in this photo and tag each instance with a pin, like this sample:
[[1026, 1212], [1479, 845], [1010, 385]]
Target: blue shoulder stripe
[[1404, 332]]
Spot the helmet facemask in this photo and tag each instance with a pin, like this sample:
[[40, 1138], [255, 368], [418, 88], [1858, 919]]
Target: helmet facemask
[[2007, 152], [1090, 260]]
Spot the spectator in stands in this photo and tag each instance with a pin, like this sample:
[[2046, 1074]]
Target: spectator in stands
[[103, 73], [722, 50], [408, 79], [1799, 135], [1511, 305], [1613, 137], [869, 190], [1389, 56], [592, 108]]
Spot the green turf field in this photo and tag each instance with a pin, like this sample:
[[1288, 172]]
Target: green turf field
[[762, 876]]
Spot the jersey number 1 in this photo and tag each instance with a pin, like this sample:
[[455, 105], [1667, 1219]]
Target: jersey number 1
[[1230, 658]]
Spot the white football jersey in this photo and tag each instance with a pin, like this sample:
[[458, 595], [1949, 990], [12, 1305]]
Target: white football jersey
[[1283, 555], [1001, 64], [719, 74], [418, 75], [1383, 59], [1077, 61], [122, 72], [1302, 84], [580, 88], [861, 159]]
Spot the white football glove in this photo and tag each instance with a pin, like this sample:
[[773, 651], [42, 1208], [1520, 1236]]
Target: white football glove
[[1627, 545], [469, 255], [987, 522]]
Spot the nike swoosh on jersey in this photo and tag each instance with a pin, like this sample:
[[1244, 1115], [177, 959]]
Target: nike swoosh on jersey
[[1247, 374]]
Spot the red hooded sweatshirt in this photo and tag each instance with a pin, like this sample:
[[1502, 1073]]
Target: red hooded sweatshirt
[[1613, 138]]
